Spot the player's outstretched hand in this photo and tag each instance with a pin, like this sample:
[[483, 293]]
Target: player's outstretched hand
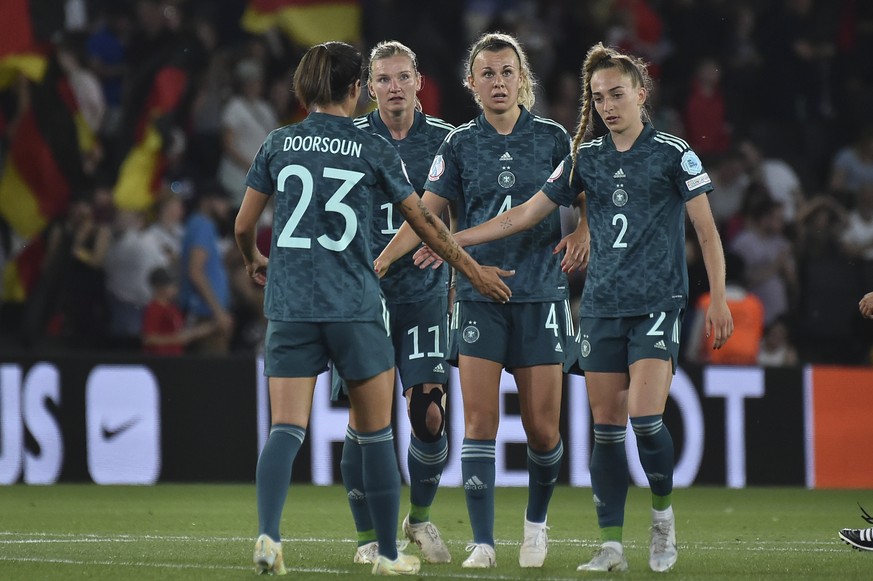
[[490, 284], [866, 306], [719, 323], [425, 257], [577, 247]]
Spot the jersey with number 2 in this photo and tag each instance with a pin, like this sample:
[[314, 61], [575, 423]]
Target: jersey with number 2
[[635, 202]]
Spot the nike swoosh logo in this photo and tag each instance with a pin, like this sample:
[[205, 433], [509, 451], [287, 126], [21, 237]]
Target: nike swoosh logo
[[110, 433]]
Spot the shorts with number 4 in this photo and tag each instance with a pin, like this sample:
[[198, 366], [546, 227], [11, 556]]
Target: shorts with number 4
[[611, 344], [360, 350], [513, 334]]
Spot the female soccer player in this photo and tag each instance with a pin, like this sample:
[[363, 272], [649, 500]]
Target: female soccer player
[[636, 185], [484, 167], [322, 296], [417, 305]]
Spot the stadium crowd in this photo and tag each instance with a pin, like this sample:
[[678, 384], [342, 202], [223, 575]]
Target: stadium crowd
[[771, 93]]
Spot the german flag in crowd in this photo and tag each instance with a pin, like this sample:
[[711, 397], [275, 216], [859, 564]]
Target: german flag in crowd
[[42, 165], [42, 169], [25, 29], [141, 171], [306, 22]]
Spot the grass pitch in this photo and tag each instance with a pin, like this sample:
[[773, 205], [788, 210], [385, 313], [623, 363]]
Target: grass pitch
[[208, 531]]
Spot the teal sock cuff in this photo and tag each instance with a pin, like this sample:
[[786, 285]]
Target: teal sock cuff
[[647, 425], [383, 435], [293, 430], [548, 458], [609, 434]]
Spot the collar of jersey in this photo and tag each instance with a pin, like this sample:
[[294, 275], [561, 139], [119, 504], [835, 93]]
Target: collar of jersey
[[647, 130], [521, 122], [382, 129]]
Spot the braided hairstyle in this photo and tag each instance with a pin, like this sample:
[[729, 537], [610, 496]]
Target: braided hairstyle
[[601, 57]]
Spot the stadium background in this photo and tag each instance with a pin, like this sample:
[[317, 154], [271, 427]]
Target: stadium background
[[793, 80]]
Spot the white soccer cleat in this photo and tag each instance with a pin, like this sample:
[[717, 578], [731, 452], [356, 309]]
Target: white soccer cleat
[[366, 554], [402, 565], [662, 549], [482, 556], [268, 557], [535, 545], [427, 537], [609, 557]]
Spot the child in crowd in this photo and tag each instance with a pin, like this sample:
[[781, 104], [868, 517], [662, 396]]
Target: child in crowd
[[163, 326]]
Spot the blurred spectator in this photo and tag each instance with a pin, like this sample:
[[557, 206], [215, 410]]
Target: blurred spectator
[[77, 249], [857, 238], [168, 228], [564, 100], [800, 45], [731, 180], [163, 326], [638, 29], [106, 49], [829, 281], [84, 83], [852, 167], [748, 314], [744, 59], [777, 176], [769, 258], [776, 347], [706, 126], [245, 122], [858, 235], [212, 91], [132, 256], [205, 289]]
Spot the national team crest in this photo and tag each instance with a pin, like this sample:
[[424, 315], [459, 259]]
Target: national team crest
[[619, 197], [471, 334], [506, 179], [691, 163], [557, 173], [586, 348], [436, 168]]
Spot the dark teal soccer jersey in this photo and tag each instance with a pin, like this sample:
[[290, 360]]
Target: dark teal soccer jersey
[[484, 174], [405, 282], [325, 174], [636, 212]]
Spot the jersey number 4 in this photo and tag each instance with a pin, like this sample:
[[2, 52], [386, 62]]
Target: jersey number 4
[[335, 203]]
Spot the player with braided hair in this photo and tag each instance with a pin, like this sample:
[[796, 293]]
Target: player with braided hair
[[636, 185]]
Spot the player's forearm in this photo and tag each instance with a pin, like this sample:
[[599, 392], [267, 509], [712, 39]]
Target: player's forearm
[[513, 221], [404, 241], [713, 260], [436, 235], [245, 241]]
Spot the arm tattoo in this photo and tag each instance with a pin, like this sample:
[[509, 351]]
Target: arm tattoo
[[447, 247], [506, 224]]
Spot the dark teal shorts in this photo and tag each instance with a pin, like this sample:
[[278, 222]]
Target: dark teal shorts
[[419, 334], [512, 334], [360, 350], [612, 344]]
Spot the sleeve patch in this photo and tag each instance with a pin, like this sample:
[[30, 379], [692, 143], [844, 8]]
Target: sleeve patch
[[698, 181], [557, 173], [436, 168], [691, 163]]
